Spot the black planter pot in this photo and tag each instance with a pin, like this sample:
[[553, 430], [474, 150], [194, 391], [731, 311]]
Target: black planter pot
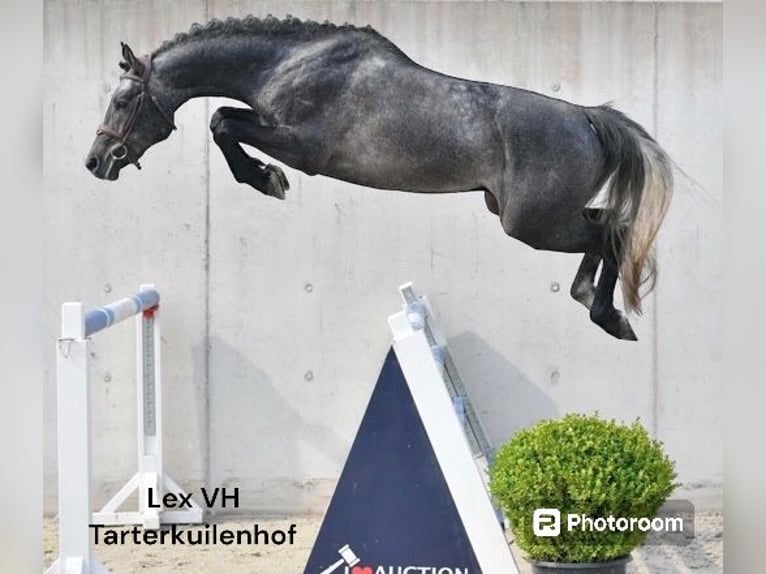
[[618, 566]]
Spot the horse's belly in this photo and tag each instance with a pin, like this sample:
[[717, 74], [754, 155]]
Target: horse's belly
[[404, 173], [426, 159]]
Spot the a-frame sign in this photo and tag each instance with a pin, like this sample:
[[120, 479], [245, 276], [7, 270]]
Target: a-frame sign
[[411, 498]]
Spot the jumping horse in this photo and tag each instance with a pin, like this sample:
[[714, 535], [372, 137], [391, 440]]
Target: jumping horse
[[345, 102]]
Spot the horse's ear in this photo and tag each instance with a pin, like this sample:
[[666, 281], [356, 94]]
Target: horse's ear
[[127, 54], [131, 60]]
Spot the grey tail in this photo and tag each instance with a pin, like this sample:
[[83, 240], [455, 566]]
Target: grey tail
[[639, 189]]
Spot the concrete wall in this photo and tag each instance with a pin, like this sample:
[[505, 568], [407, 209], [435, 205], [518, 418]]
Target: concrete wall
[[275, 312]]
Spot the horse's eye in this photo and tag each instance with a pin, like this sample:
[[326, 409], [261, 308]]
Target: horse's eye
[[120, 104]]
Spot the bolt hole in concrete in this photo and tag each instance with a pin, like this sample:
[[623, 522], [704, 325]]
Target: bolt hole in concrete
[[555, 376]]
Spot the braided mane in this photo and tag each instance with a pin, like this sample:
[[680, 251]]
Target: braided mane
[[250, 25]]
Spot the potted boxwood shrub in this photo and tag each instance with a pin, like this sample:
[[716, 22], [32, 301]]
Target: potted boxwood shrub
[[583, 465]]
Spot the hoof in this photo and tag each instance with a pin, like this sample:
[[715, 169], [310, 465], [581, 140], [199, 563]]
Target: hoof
[[616, 324], [278, 183], [625, 331]]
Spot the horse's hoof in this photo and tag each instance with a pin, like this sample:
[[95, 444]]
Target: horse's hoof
[[278, 183], [616, 324], [626, 332]]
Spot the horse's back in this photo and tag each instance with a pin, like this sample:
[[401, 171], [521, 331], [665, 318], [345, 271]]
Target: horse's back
[[394, 124], [383, 121]]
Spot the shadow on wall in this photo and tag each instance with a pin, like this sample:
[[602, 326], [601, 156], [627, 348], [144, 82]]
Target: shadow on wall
[[504, 397], [184, 393], [261, 443]]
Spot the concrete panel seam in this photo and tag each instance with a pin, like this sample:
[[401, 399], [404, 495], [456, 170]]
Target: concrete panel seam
[[655, 296]]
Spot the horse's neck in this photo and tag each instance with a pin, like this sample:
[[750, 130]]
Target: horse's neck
[[215, 67]]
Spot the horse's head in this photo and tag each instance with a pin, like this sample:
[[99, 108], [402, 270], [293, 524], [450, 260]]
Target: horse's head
[[135, 120]]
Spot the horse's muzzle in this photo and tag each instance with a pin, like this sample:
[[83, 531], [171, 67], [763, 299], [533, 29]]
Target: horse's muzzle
[[102, 170]]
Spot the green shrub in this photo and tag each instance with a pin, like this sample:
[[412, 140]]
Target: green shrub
[[583, 465]]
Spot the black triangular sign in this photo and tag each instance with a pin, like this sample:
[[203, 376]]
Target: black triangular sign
[[392, 511]]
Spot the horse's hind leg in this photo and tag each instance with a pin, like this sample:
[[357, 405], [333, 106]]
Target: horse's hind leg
[[602, 311], [583, 287], [228, 125]]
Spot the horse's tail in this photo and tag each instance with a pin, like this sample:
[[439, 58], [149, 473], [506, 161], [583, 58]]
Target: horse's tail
[[637, 197]]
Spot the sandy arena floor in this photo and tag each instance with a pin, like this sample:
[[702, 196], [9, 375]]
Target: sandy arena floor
[[703, 556]]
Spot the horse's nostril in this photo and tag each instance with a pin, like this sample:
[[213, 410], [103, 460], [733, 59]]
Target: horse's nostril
[[92, 163]]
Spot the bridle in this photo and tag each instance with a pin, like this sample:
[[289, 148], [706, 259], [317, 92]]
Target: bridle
[[122, 150]]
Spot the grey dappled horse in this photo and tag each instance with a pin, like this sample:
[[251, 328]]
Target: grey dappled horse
[[345, 102]]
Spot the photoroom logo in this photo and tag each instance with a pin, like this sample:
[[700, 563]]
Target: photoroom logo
[[546, 522]]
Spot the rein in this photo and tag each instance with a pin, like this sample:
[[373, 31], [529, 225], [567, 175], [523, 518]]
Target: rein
[[123, 150]]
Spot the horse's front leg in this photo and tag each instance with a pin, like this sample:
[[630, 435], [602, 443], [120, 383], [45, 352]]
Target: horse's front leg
[[232, 126]]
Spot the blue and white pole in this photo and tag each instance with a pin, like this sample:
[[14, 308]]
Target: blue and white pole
[[106, 316]]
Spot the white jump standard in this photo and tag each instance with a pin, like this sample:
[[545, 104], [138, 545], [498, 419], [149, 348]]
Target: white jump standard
[[73, 431], [411, 496], [437, 390]]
